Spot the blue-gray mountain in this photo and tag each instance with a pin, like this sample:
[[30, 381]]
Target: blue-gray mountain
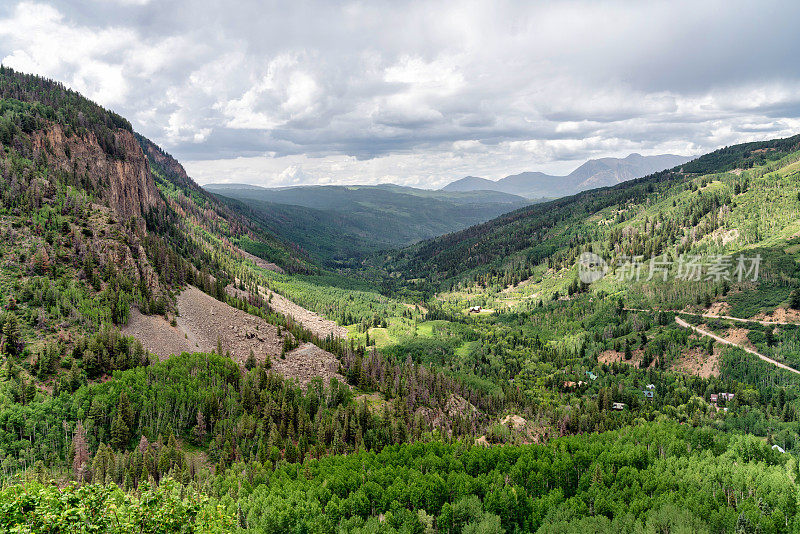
[[592, 174]]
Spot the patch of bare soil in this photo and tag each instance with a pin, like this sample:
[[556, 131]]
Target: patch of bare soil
[[719, 308], [515, 421], [780, 315], [738, 336], [610, 356], [523, 430], [527, 431], [434, 418], [482, 441], [523, 283], [458, 405], [307, 362], [726, 236], [156, 334], [699, 362], [311, 321], [317, 324], [203, 320], [419, 307]]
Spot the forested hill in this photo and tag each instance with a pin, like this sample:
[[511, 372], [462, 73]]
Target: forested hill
[[95, 220], [229, 220], [338, 225], [84, 144], [552, 231]]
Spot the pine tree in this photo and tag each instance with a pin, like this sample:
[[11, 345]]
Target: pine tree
[[11, 335], [119, 432], [770, 337], [126, 410], [143, 445], [163, 463], [144, 476], [100, 465]]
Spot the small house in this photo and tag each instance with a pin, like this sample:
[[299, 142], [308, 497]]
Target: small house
[[619, 406], [714, 397], [778, 448], [648, 393], [475, 309], [591, 375], [650, 386]]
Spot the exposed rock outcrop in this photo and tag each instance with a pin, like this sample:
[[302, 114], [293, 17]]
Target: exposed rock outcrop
[[125, 183]]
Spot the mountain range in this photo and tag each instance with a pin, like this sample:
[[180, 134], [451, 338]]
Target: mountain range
[[336, 224], [594, 173]]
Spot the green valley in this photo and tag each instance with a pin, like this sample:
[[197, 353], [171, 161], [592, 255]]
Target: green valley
[[387, 359]]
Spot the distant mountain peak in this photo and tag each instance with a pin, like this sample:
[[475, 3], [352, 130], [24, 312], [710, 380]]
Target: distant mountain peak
[[471, 183], [591, 174]]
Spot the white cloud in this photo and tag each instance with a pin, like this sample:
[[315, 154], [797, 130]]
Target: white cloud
[[419, 93], [102, 64], [41, 42], [285, 92], [469, 146]]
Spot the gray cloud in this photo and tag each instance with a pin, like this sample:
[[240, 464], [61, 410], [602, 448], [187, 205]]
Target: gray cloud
[[418, 93]]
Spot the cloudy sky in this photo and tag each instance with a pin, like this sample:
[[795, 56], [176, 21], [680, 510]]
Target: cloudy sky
[[418, 93]]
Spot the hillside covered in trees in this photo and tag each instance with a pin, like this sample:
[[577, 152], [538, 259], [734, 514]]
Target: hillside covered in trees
[[339, 225], [554, 406]]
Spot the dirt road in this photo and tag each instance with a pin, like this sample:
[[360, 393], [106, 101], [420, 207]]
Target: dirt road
[[724, 341], [716, 316]]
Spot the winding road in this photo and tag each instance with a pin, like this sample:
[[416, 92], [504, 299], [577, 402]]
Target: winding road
[[724, 341]]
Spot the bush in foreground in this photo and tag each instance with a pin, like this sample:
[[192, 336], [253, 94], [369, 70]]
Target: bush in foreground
[[42, 509]]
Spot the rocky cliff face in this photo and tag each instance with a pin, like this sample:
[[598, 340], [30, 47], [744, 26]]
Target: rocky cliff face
[[167, 165], [126, 183]]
